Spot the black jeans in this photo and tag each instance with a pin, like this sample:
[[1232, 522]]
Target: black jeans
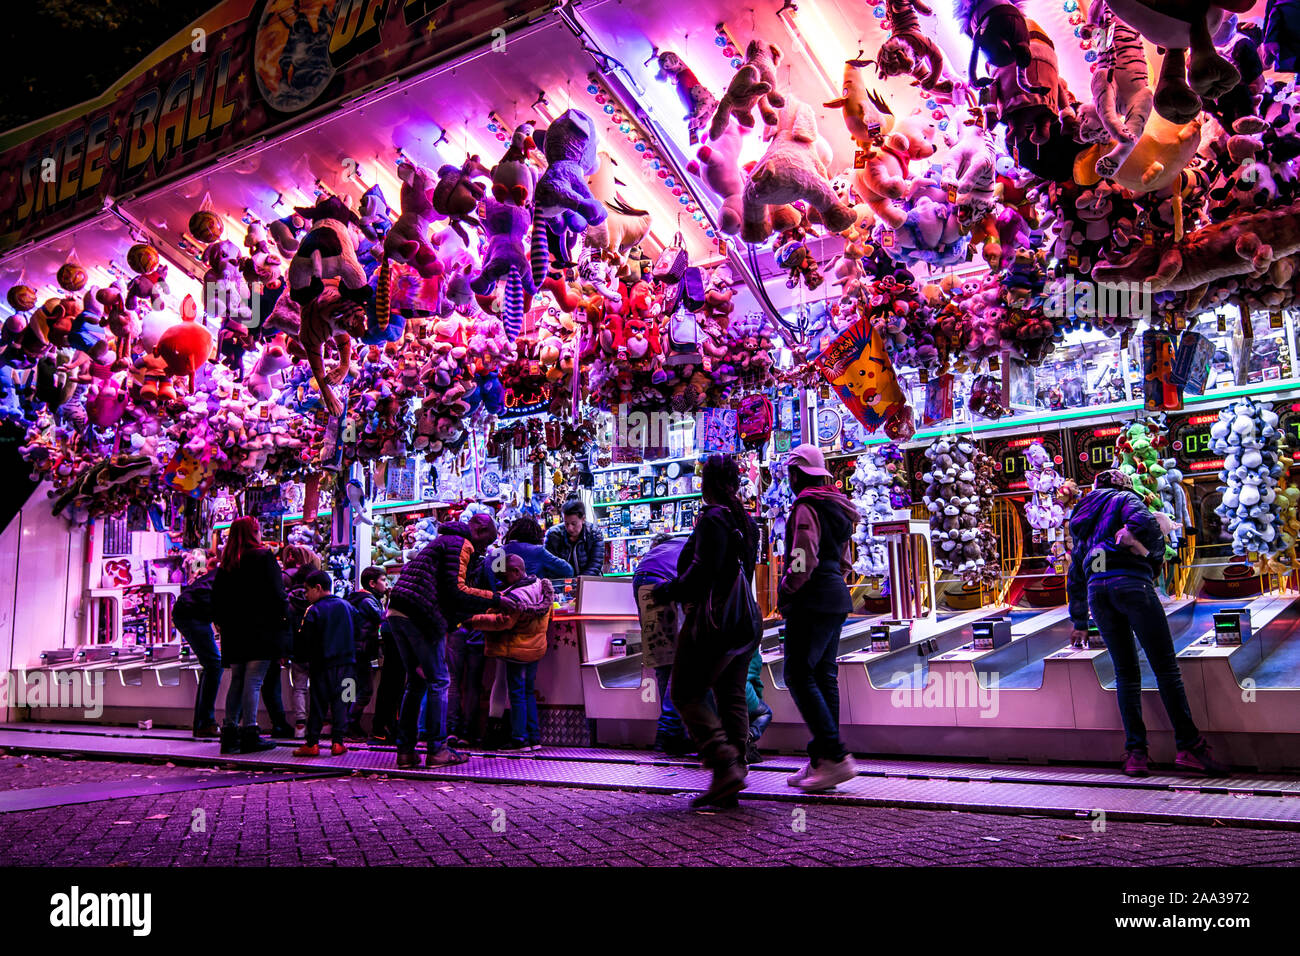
[[273, 696], [392, 685], [365, 676], [425, 659], [203, 642], [1125, 608], [465, 663], [812, 642], [721, 734], [326, 686]]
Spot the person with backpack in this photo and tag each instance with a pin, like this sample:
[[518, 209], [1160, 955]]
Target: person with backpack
[[192, 617], [721, 629], [815, 601], [368, 616], [1119, 548]]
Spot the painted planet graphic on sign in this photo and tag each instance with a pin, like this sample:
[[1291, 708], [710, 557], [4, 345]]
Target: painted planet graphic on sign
[[291, 52]]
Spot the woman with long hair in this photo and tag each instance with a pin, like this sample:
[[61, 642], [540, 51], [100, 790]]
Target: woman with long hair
[[723, 545], [250, 608]]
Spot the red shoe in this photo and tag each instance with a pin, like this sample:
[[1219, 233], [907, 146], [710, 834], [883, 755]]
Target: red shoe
[[1135, 763], [307, 750], [337, 750]]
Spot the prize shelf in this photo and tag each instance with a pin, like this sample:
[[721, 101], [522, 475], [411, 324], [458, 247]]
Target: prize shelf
[[643, 501], [653, 534]]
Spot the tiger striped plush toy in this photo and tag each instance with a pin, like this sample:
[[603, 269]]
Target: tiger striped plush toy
[[1120, 87]]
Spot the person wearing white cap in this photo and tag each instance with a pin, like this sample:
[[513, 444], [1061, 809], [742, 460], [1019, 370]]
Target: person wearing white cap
[[814, 600]]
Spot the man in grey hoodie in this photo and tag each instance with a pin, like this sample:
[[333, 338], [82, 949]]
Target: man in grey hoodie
[[814, 600]]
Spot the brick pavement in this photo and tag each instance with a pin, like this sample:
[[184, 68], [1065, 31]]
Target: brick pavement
[[375, 820]]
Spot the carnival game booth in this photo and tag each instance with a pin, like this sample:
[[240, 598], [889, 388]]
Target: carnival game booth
[[360, 269]]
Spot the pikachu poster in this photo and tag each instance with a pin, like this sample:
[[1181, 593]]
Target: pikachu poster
[[858, 368]]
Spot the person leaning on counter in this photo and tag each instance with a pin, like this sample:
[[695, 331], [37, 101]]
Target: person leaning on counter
[[577, 540]]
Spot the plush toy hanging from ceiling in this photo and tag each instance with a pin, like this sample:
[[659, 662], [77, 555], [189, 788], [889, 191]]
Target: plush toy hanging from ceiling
[[754, 85], [1121, 96], [624, 226], [564, 203], [717, 163], [909, 51], [997, 29], [507, 258], [457, 194], [514, 178], [1177, 26], [793, 168], [408, 239], [695, 97], [328, 251]]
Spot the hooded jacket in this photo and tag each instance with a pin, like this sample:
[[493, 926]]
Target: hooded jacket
[[326, 636], [434, 588], [194, 603], [1098, 518], [818, 552], [518, 631]]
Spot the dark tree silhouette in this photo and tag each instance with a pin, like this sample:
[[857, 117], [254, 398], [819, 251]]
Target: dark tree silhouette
[[58, 53]]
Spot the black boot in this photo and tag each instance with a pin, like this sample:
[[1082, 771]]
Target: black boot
[[251, 742], [230, 739], [728, 778]]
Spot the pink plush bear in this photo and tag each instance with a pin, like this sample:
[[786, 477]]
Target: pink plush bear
[[721, 173], [885, 179]]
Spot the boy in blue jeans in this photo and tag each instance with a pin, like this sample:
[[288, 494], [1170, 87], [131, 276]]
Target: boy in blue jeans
[[326, 646]]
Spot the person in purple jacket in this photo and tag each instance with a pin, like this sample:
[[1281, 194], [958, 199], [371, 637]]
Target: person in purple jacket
[[1118, 551]]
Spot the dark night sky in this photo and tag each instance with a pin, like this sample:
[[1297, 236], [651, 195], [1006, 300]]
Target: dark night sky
[[57, 53]]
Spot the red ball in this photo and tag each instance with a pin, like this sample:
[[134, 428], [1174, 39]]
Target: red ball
[[142, 258], [71, 277], [22, 298], [206, 226]]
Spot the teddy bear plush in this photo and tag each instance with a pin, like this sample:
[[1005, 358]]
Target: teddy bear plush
[[457, 193], [754, 85], [790, 170], [884, 178], [564, 203]]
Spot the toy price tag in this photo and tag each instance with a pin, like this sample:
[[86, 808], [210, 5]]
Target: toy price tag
[[860, 159], [1223, 323], [1148, 238], [1125, 337], [1275, 320], [994, 363], [925, 375], [1179, 322], [887, 238], [1073, 260], [952, 191], [264, 412]]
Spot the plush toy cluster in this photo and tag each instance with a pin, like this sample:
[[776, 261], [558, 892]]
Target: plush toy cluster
[[1139, 452], [877, 489], [959, 497], [1043, 510], [1247, 437]]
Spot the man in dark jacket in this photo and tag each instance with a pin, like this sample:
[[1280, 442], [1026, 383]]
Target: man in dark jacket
[[577, 540], [432, 594], [1118, 550], [192, 616], [659, 626], [814, 600], [368, 615], [327, 645]]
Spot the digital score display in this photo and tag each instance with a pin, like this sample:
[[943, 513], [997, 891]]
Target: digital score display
[[1288, 414], [1092, 450], [915, 462], [1009, 462], [1189, 444]]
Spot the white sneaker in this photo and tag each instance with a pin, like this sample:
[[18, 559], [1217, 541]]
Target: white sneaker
[[797, 779], [535, 747], [828, 774]]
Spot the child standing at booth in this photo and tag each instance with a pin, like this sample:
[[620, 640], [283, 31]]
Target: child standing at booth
[[326, 645], [192, 617]]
